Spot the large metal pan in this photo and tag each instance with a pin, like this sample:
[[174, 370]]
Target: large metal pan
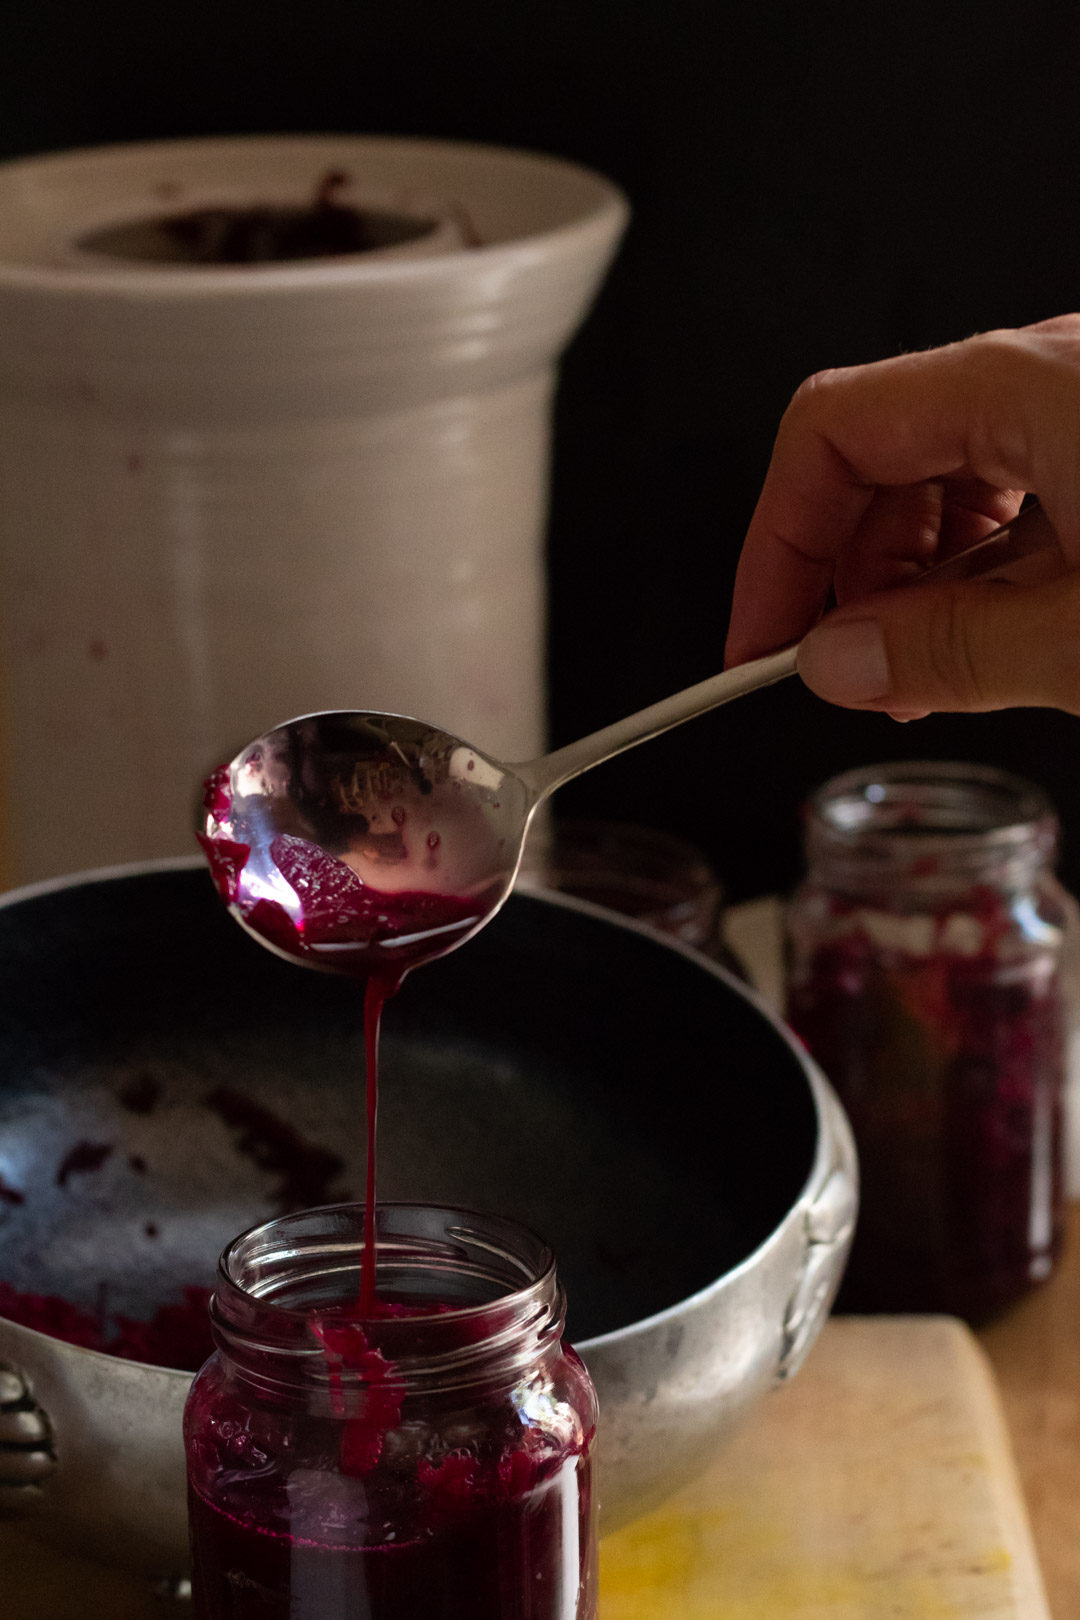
[[628, 1099]]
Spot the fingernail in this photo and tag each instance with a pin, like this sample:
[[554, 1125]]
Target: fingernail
[[846, 663], [904, 715]]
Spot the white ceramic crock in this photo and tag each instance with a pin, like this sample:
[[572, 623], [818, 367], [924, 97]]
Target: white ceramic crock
[[232, 494]]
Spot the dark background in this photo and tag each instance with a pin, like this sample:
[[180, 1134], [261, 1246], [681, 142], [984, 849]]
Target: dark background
[[812, 184]]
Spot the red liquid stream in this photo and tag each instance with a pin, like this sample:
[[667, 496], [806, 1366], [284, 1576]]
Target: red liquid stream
[[376, 993], [335, 919]]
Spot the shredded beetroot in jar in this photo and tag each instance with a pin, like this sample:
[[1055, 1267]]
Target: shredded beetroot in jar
[[926, 960], [945, 1041], [472, 1510]]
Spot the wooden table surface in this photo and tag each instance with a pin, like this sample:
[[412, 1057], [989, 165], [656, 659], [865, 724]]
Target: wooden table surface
[[879, 1482], [1035, 1352]]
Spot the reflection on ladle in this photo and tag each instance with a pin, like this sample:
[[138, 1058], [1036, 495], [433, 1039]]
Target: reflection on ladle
[[366, 843]]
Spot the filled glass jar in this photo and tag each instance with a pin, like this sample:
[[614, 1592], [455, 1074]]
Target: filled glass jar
[[926, 954], [431, 1461], [640, 872]]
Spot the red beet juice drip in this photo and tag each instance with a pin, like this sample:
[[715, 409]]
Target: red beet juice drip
[[334, 919], [376, 993]]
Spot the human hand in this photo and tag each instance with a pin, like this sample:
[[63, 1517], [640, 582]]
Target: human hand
[[878, 472]]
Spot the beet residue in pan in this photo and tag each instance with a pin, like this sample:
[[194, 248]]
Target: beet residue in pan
[[177, 1335], [306, 1171], [83, 1158]]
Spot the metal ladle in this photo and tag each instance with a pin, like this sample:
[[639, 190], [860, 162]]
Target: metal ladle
[[367, 842]]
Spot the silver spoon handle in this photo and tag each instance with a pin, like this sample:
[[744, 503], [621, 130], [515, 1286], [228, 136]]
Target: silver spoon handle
[[1005, 553], [544, 775]]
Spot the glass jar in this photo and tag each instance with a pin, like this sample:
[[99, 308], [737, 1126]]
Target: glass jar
[[432, 1462], [639, 872], [925, 955]]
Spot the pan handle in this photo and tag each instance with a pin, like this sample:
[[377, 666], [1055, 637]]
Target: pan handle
[[828, 1225], [27, 1447]]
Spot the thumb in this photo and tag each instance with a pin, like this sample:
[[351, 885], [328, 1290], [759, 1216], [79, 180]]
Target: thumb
[[972, 646]]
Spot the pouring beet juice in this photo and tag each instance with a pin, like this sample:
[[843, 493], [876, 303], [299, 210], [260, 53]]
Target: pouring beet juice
[[391, 1426], [348, 859]]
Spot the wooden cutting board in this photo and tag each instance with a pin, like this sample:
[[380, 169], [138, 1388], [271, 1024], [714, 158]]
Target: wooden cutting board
[[878, 1485]]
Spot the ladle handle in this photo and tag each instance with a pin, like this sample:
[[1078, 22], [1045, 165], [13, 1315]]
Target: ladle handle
[[544, 775], [1006, 553]]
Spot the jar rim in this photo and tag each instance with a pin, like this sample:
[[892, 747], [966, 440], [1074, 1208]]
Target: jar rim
[[935, 827], [522, 1303], [545, 1265], [930, 800]]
